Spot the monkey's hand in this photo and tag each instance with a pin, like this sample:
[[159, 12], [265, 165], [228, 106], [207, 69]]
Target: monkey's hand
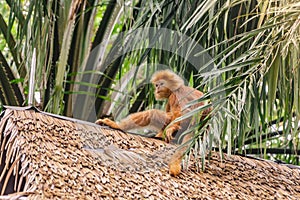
[[159, 135], [108, 122], [170, 133], [168, 136]]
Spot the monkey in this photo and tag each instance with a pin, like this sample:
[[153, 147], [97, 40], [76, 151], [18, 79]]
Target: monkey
[[168, 85]]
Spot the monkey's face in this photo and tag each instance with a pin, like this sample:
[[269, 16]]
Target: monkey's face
[[161, 90]]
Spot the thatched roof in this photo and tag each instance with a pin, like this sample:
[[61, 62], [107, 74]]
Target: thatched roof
[[48, 157]]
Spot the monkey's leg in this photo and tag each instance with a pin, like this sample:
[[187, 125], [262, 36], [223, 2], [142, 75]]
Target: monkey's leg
[[153, 118]]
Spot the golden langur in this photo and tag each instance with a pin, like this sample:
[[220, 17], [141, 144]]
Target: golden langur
[[169, 86]]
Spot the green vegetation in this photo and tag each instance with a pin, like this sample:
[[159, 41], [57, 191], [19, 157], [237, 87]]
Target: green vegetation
[[95, 58]]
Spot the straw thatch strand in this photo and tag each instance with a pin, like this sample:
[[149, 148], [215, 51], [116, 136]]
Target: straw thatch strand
[[43, 156]]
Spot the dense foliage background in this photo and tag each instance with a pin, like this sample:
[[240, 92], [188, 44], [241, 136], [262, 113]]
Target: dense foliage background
[[94, 58]]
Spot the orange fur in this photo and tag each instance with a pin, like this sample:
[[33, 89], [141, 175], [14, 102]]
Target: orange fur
[[108, 122], [170, 86]]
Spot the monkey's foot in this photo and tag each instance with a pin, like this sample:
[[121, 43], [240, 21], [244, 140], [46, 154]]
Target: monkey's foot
[[108, 122]]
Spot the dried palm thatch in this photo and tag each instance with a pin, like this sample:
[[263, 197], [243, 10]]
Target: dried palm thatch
[[47, 157]]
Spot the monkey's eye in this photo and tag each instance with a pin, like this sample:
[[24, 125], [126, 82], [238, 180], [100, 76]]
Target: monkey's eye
[[159, 84]]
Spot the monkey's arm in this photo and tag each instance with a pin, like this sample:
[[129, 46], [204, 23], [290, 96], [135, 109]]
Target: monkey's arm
[[161, 134], [172, 129], [174, 111]]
